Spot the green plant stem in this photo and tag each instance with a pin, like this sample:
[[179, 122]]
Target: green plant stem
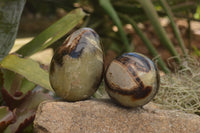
[[174, 27], [107, 6], [153, 17], [146, 41]]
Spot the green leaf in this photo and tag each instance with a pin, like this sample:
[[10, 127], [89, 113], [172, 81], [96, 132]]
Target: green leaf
[[28, 68], [26, 86], [15, 88], [14, 100], [13, 82], [53, 33], [6, 117], [25, 113], [10, 14], [8, 77]]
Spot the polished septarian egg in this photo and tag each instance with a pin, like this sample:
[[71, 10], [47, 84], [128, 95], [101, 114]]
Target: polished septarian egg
[[132, 80], [77, 66]]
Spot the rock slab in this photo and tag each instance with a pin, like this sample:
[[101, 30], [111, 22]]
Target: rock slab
[[103, 116]]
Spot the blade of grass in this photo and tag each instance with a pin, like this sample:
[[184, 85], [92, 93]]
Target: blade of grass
[[169, 13], [107, 6], [53, 33], [153, 17], [183, 5], [128, 8], [146, 41]]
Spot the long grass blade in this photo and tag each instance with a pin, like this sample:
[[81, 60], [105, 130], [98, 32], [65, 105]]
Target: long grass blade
[[107, 6], [146, 41], [174, 27], [153, 17]]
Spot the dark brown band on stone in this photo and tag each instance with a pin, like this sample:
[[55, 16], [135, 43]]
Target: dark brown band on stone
[[76, 47], [137, 92]]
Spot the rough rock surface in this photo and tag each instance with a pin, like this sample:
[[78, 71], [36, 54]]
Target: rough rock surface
[[103, 116]]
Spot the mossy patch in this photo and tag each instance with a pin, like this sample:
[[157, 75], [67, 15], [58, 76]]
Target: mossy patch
[[181, 90]]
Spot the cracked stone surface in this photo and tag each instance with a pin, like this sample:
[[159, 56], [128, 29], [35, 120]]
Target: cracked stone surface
[[103, 116]]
